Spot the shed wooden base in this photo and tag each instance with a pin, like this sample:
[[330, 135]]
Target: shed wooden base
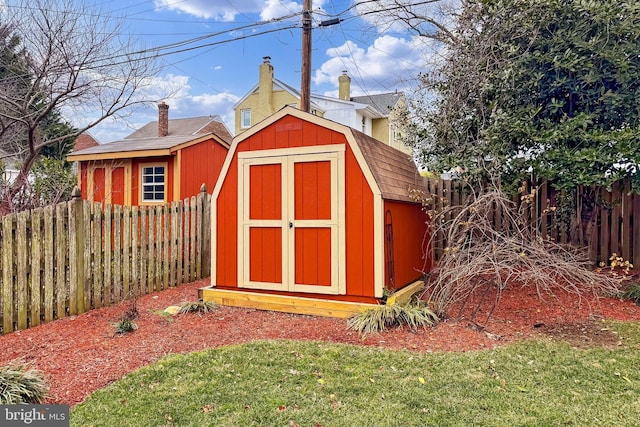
[[285, 303]]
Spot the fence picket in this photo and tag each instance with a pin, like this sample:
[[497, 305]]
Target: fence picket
[[22, 249], [36, 267], [98, 263], [126, 252], [49, 256], [117, 253], [7, 274], [108, 256], [62, 287]]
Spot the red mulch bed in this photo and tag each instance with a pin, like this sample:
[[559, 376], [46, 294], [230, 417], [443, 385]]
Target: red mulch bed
[[80, 354]]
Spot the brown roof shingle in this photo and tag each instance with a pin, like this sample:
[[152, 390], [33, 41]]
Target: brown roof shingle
[[394, 171]]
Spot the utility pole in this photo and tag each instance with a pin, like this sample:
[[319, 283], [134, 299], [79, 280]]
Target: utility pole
[[305, 86]]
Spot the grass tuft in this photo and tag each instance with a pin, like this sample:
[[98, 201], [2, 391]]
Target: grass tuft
[[19, 385], [124, 326], [197, 307], [633, 293], [395, 315]]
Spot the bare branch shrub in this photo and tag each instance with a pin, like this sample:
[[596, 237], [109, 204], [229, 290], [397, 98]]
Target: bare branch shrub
[[483, 257]]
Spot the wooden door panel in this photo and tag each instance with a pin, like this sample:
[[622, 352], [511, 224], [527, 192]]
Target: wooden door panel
[[312, 190], [265, 195], [313, 256], [265, 255]]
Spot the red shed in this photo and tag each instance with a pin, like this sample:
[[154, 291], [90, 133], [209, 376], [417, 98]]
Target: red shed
[[308, 211], [164, 161]]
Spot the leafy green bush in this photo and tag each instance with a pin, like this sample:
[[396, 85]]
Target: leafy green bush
[[18, 385], [395, 315], [197, 307]]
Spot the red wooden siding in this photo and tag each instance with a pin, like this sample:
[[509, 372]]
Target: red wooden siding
[[227, 229], [117, 186], [408, 222], [82, 170], [200, 163], [98, 184], [359, 230]]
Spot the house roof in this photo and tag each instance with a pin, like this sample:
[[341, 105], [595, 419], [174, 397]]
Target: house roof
[[394, 171], [85, 140], [187, 126], [383, 102], [145, 141], [284, 86]]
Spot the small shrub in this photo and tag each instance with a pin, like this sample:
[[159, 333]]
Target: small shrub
[[395, 315], [632, 293], [197, 307], [19, 385], [124, 326]]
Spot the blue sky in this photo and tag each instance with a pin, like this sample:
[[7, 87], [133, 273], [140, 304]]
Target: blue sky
[[379, 54]]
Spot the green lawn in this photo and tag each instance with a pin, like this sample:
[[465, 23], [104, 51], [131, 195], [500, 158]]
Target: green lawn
[[286, 383]]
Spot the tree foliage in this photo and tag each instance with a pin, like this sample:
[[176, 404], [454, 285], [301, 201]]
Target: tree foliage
[[61, 58], [549, 87]]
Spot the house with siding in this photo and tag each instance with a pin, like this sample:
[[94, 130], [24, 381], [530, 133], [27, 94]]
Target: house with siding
[[379, 116], [164, 161]]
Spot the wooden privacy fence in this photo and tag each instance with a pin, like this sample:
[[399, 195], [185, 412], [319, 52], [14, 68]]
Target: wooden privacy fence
[[614, 228], [67, 259]]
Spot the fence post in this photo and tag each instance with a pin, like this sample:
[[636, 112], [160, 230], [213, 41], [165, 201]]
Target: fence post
[[76, 257], [202, 199]]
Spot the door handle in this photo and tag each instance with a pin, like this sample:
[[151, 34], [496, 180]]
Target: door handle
[[290, 224]]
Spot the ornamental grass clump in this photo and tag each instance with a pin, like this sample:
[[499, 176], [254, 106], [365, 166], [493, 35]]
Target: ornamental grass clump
[[197, 307], [380, 318], [124, 326], [21, 385], [632, 293]]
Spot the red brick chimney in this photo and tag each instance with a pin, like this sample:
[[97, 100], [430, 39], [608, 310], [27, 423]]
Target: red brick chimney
[[163, 119]]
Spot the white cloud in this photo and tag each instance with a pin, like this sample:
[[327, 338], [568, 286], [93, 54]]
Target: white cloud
[[388, 64], [228, 10], [218, 10], [279, 8], [175, 90]]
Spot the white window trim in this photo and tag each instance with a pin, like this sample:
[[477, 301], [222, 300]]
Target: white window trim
[[242, 122], [142, 201]]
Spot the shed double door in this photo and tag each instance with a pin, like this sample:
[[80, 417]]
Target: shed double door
[[290, 222]]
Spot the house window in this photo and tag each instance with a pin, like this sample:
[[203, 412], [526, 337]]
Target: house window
[[154, 179], [245, 119]]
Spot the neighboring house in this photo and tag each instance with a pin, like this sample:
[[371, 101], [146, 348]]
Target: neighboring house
[[83, 141], [9, 167], [306, 207], [379, 116], [164, 161]]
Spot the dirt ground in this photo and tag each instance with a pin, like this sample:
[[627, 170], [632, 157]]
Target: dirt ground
[[80, 354]]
